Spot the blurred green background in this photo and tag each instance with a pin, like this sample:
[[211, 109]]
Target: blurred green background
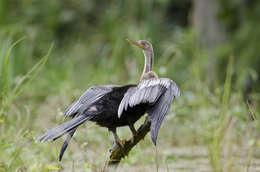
[[51, 51]]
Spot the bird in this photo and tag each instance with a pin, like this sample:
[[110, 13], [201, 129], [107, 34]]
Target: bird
[[114, 106]]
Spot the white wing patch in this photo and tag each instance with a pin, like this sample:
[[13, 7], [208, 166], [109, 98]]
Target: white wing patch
[[92, 109], [147, 91]]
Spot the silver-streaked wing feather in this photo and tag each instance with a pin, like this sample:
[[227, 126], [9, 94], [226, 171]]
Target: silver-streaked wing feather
[[89, 97], [147, 91], [160, 109], [159, 93]]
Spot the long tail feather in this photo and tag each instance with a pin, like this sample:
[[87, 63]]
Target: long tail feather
[[65, 144], [66, 127]]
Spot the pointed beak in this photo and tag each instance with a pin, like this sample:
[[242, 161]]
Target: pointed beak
[[136, 43]]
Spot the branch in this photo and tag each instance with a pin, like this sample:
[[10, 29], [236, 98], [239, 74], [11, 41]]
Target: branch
[[119, 152]]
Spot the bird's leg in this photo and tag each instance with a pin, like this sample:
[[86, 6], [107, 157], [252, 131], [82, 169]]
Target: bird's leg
[[117, 139], [133, 130]]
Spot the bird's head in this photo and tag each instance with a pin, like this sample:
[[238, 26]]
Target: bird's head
[[147, 48], [143, 44]]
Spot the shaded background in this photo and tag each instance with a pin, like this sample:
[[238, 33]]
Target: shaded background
[[210, 48]]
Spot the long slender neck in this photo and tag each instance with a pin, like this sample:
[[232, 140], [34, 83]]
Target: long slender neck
[[148, 64]]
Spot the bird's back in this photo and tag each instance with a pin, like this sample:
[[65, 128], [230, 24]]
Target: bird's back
[[108, 108]]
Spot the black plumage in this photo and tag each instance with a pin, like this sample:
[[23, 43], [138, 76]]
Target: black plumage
[[116, 106], [98, 104]]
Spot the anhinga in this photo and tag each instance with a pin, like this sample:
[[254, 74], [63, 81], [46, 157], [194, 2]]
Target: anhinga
[[115, 106]]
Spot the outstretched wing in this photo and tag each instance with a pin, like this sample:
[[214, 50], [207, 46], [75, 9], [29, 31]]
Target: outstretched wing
[[159, 93], [160, 109], [89, 97]]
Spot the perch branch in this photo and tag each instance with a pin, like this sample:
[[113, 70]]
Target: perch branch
[[119, 152]]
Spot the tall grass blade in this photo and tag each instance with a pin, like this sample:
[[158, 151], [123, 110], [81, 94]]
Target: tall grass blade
[[6, 69], [23, 82], [30, 75]]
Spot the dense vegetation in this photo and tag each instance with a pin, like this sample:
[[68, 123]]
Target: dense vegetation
[[51, 51]]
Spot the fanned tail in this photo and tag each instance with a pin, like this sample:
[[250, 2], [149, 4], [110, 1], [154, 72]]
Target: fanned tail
[[64, 128]]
